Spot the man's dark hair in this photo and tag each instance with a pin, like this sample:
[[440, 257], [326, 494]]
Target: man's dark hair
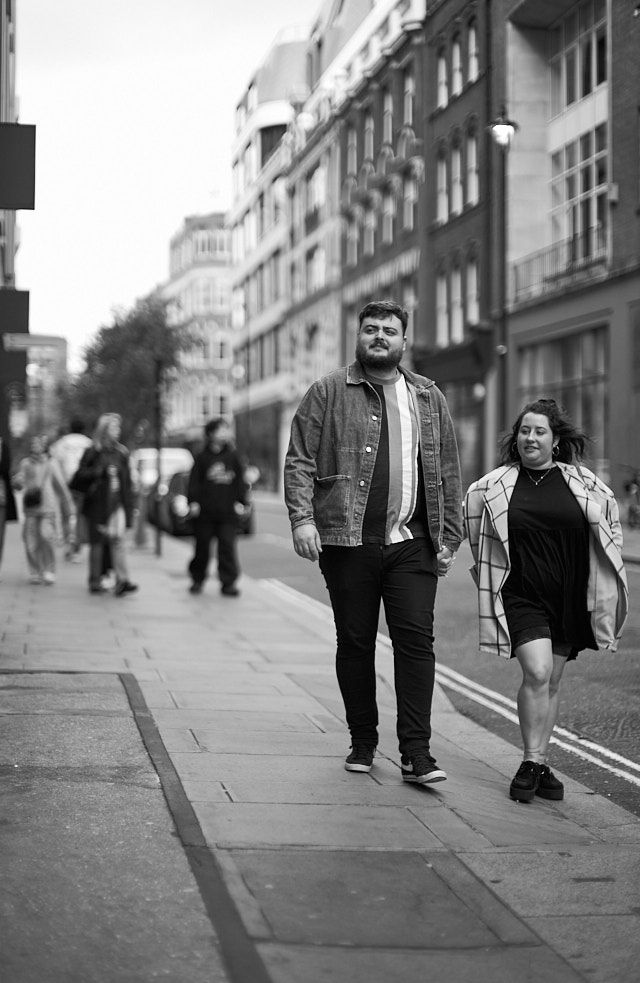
[[76, 425], [213, 426], [383, 309]]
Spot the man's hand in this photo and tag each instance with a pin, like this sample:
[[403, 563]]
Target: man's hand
[[446, 559], [306, 541]]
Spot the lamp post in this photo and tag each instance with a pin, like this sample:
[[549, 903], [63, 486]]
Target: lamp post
[[502, 130]]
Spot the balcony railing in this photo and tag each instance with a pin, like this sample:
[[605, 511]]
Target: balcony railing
[[552, 269]]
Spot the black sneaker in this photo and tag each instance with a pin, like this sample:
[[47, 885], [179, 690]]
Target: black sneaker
[[230, 590], [125, 587], [361, 757], [550, 787], [525, 784], [420, 767], [196, 587]]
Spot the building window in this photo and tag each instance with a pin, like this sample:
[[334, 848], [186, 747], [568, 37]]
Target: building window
[[388, 215], [578, 54], [456, 181], [442, 189], [472, 301], [369, 237], [409, 97], [473, 179], [352, 242], [410, 200], [315, 189], [352, 151], [473, 58], [442, 312], [368, 137], [574, 371], [456, 68], [579, 194], [387, 118], [443, 84], [457, 318]]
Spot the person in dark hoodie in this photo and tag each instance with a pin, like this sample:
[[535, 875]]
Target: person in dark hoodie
[[217, 494]]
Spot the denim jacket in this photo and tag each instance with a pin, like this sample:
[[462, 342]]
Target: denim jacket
[[329, 465]]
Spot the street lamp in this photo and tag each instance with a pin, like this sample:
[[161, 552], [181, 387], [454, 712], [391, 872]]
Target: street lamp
[[502, 130]]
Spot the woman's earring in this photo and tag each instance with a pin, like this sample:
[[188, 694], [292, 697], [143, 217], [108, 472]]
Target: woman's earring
[[514, 447]]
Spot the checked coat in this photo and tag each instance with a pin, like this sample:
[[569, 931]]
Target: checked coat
[[486, 507]]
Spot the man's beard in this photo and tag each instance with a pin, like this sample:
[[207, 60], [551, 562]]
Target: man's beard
[[379, 358]]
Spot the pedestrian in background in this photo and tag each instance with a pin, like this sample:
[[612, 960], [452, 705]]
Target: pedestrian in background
[[546, 541], [68, 451], [372, 485], [8, 511], [103, 479], [45, 494], [217, 494]]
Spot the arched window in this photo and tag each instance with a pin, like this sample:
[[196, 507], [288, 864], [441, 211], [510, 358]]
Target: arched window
[[368, 136], [388, 215], [443, 82], [442, 311], [457, 319], [473, 58], [473, 180], [442, 189], [369, 236], [387, 117], [410, 200], [457, 202], [352, 242], [456, 67], [352, 151], [472, 301], [409, 96]]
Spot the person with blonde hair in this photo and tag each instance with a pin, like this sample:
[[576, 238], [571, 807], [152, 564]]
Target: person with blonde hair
[[104, 479], [44, 493]]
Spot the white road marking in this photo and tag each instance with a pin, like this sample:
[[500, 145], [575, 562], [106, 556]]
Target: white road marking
[[502, 705]]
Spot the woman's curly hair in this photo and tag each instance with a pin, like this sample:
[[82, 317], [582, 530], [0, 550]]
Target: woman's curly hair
[[571, 440]]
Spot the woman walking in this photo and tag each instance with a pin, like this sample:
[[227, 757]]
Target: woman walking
[[104, 479], [44, 492], [8, 511], [546, 541]]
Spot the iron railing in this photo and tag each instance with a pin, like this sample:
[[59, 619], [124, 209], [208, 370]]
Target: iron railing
[[553, 268]]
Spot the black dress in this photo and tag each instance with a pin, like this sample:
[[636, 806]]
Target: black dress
[[549, 552]]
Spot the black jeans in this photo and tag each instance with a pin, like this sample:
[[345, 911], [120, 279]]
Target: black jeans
[[224, 531], [403, 577]]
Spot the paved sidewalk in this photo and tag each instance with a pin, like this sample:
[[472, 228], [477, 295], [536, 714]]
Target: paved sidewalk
[[307, 872]]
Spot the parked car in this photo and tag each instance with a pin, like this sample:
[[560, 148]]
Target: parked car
[[144, 465], [168, 505]]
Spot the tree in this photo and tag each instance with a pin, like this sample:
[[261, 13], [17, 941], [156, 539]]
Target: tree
[[125, 365]]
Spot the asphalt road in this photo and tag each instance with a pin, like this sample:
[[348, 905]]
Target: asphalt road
[[600, 695]]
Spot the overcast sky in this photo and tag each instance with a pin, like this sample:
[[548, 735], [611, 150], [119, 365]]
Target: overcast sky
[[133, 101]]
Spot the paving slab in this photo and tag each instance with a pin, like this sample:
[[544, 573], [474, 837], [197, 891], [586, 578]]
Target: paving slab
[[95, 885], [524, 964], [599, 946], [565, 882], [345, 827], [396, 899], [234, 719]]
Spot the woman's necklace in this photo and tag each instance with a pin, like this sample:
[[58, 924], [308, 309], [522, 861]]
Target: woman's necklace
[[543, 476]]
